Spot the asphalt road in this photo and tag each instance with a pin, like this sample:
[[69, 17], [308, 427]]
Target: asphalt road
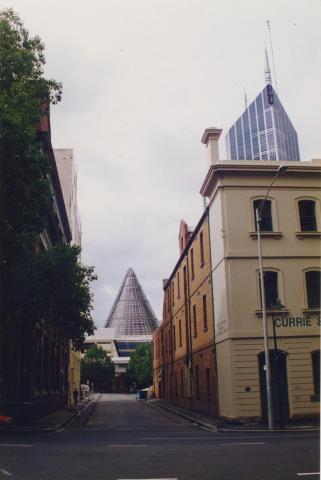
[[128, 439]]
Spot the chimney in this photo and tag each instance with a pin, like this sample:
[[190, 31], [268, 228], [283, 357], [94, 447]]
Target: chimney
[[210, 139]]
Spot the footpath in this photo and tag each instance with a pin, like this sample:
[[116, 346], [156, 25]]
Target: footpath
[[219, 425], [62, 418]]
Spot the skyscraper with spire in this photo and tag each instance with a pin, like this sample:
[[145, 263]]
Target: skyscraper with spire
[[264, 130]]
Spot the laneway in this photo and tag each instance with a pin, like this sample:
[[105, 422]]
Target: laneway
[[128, 439], [121, 412]]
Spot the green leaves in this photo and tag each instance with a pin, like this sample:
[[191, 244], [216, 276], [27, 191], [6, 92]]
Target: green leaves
[[25, 196], [96, 354], [62, 288], [52, 286], [140, 366], [97, 367], [49, 286]]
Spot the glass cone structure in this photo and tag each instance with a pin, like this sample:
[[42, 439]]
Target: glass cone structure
[[263, 132], [131, 314]]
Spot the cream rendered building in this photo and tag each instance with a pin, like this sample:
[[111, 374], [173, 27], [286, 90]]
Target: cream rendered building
[[68, 180], [291, 261]]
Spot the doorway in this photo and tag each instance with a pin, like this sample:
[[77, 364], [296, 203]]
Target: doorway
[[279, 383]]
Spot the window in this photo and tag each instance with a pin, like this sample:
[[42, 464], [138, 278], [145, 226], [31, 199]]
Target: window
[[197, 383], [202, 249], [316, 375], [173, 292], [308, 221], [194, 321], [178, 289], [174, 337], [313, 283], [208, 383], [175, 384], [270, 289], [180, 332], [192, 263], [205, 313], [182, 383], [266, 215]]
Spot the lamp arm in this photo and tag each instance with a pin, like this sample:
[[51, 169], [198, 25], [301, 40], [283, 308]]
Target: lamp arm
[[260, 208]]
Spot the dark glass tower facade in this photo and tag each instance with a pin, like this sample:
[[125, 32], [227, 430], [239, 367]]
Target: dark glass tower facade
[[263, 132]]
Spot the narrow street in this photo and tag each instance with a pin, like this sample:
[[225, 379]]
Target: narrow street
[[129, 439]]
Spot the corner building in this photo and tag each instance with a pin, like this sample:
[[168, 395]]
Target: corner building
[[291, 232], [184, 366]]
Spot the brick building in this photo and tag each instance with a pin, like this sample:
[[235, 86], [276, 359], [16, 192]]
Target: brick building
[[209, 350], [34, 358], [184, 367]]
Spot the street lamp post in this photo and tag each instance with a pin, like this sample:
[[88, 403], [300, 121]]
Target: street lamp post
[[282, 169]]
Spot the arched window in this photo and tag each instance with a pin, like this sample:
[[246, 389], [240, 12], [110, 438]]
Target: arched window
[[266, 215], [308, 222], [313, 284], [270, 289]]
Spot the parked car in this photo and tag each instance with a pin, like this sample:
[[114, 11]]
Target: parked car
[[6, 422]]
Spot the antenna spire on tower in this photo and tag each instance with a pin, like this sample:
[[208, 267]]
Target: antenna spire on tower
[[267, 71], [272, 53], [245, 98]]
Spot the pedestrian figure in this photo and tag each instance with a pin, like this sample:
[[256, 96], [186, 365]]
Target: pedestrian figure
[[75, 395]]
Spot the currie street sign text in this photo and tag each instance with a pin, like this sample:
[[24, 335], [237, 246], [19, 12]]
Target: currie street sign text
[[297, 322]]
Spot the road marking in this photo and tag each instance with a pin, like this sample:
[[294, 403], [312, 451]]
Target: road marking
[[177, 438], [225, 437], [303, 474], [23, 445], [5, 472], [243, 443], [147, 478], [126, 445]]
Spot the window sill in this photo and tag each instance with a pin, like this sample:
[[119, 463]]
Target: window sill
[[272, 311], [275, 235], [311, 310], [302, 235]]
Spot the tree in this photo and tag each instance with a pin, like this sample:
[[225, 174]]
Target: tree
[[97, 368], [25, 191], [139, 369], [58, 288], [34, 284]]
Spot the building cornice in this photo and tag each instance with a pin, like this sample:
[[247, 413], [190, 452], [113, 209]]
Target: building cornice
[[246, 168]]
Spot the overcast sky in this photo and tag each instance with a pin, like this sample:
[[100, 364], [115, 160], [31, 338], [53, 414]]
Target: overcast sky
[[142, 80]]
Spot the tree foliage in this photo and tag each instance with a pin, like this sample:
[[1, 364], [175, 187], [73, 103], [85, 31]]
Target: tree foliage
[[24, 186], [139, 369], [97, 368], [34, 285]]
